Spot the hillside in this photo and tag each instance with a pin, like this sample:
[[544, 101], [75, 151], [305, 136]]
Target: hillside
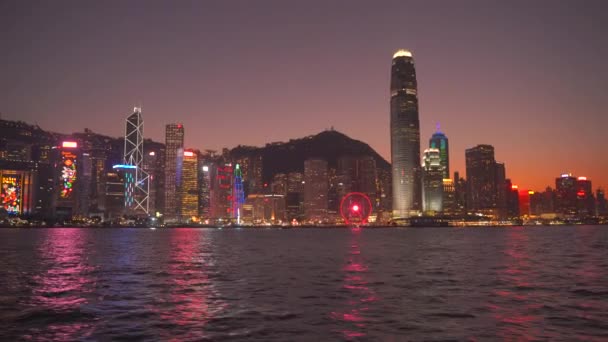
[[290, 156]]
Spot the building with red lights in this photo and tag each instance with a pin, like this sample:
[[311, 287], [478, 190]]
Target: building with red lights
[[67, 170], [566, 188], [585, 201], [188, 191]]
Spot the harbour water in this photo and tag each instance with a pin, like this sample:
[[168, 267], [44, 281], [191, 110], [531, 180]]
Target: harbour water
[[393, 284]]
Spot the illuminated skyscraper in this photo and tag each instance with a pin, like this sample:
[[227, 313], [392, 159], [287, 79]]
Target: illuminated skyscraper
[[189, 187], [134, 155], [566, 197], [174, 150], [448, 202], [405, 136], [432, 180], [585, 199], [205, 183], [440, 142], [295, 195], [486, 186], [238, 194], [68, 169], [221, 202], [316, 186]]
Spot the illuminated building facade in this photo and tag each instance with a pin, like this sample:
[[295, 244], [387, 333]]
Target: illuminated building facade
[[128, 177], [524, 201], [316, 186], [251, 169], [67, 169], [486, 191], [114, 193], [98, 154], [17, 192], [26, 188], [174, 150], [357, 174], [153, 165], [294, 199], [440, 141], [264, 208], [432, 179], [206, 169], [188, 191], [512, 199], [460, 188], [385, 191], [566, 188], [405, 137], [221, 202], [584, 197], [134, 155], [238, 194], [448, 202]]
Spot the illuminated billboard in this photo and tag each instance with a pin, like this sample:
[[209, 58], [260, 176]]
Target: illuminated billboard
[[10, 194], [69, 144], [68, 174]]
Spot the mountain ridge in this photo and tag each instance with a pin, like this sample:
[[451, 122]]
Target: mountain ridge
[[289, 156]]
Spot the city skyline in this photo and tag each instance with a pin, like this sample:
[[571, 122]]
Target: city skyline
[[485, 87]]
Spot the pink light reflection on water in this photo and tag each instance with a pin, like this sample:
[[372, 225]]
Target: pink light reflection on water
[[63, 284], [517, 320], [360, 294], [192, 295]]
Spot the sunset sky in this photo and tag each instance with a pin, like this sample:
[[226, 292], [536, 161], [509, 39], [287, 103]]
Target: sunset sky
[[528, 77]]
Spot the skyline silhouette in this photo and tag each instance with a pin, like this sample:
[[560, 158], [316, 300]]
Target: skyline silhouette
[[527, 78]]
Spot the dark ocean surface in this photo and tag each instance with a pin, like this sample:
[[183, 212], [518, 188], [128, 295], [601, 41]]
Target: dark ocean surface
[[538, 283]]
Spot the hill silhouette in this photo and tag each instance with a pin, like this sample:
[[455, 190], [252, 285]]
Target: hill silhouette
[[330, 145]]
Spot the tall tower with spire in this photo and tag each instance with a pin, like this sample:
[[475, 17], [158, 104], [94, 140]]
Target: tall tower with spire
[[134, 157], [405, 137]]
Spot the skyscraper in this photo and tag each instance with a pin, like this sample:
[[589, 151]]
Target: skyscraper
[[315, 189], [188, 191], [432, 177], [174, 149], [584, 196], [238, 194], [566, 197], [405, 136], [440, 142], [134, 155], [486, 192]]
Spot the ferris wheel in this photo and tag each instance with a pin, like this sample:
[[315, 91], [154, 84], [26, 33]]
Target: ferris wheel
[[355, 208]]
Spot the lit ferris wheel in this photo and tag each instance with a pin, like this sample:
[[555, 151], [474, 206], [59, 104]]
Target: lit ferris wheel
[[355, 208]]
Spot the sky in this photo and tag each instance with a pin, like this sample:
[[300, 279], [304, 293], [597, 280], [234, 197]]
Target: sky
[[528, 77]]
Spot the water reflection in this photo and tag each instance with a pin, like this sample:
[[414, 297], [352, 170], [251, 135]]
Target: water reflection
[[516, 321], [60, 290], [359, 294], [192, 300]]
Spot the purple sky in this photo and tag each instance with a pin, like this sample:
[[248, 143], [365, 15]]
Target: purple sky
[[529, 77]]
